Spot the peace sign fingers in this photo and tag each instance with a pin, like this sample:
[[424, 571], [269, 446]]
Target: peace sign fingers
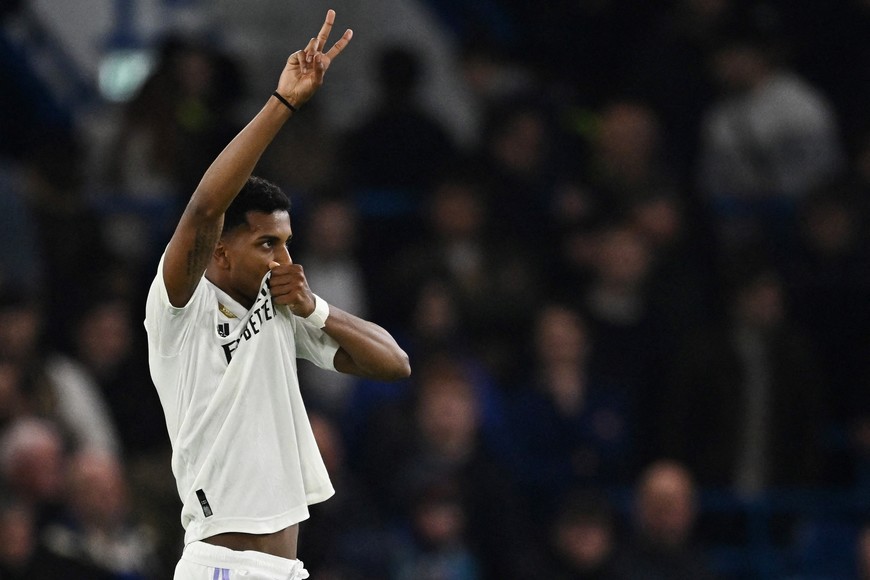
[[318, 43], [304, 71]]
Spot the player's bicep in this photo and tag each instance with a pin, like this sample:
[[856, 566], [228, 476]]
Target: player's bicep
[[188, 255]]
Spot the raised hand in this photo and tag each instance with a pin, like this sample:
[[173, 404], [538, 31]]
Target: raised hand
[[304, 71]]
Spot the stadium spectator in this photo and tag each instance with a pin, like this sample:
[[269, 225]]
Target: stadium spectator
[[32, 463], [96, 536], [493, 280], [665, 509], [768, 139], [348, 537], [436, 546], [394, 154], [744, 407], [568, 426], [437, 434], [180, 119], [51, 384], [584, 539]]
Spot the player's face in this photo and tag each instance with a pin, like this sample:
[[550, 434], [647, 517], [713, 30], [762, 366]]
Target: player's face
[[250, 249]]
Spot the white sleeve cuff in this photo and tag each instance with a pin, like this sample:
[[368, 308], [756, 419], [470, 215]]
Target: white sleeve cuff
[[320, 314]]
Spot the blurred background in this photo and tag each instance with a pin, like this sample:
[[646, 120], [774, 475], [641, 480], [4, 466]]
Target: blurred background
[[625, 244]]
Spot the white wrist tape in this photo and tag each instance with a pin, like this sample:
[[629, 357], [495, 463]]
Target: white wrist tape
[[320, 314]]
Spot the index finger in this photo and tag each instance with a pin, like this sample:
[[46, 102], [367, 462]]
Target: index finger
[[325, 30], [340, 44]]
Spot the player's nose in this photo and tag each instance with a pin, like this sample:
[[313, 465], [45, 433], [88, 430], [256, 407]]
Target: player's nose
[[283, 256]]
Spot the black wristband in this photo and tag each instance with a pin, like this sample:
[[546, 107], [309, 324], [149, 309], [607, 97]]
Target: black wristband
[[287, 103]]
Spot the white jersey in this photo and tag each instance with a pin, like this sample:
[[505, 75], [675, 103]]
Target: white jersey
[[243, 453]]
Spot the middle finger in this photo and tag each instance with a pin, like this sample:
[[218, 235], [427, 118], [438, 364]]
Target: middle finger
[[325, 29]]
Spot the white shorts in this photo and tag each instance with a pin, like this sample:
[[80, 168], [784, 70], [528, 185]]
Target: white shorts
[[202, 561]]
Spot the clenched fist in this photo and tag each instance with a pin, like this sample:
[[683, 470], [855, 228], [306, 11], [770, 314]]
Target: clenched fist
[[290, 288]]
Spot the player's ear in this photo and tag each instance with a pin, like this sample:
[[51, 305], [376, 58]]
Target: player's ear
[[220, 256]]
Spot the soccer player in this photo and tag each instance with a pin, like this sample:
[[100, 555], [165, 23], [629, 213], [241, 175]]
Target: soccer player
[[227, 315]]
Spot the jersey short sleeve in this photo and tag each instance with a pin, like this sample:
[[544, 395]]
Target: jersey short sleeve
[[314, 345], [167, 324]]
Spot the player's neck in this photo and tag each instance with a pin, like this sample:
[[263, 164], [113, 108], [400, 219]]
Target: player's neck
[[214, 276]]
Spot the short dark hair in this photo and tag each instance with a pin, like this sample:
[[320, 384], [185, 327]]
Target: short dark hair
[[257, 194]]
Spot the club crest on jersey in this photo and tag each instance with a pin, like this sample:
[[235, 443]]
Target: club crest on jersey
[[223, 329]]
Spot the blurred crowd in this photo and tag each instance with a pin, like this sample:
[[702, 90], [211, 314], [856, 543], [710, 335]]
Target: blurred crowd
[[646, 281]]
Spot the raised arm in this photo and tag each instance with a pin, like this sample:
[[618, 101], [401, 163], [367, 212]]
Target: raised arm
[[199, 228]]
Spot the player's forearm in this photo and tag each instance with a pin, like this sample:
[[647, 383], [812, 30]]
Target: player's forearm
[[367, 350], [227, 174]]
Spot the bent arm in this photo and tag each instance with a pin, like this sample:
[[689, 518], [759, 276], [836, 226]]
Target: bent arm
[[366, 349]]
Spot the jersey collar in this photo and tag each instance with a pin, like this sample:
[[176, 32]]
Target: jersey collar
[[226, 304]]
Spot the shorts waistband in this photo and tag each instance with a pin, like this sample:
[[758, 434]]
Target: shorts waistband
[[219, 557]]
